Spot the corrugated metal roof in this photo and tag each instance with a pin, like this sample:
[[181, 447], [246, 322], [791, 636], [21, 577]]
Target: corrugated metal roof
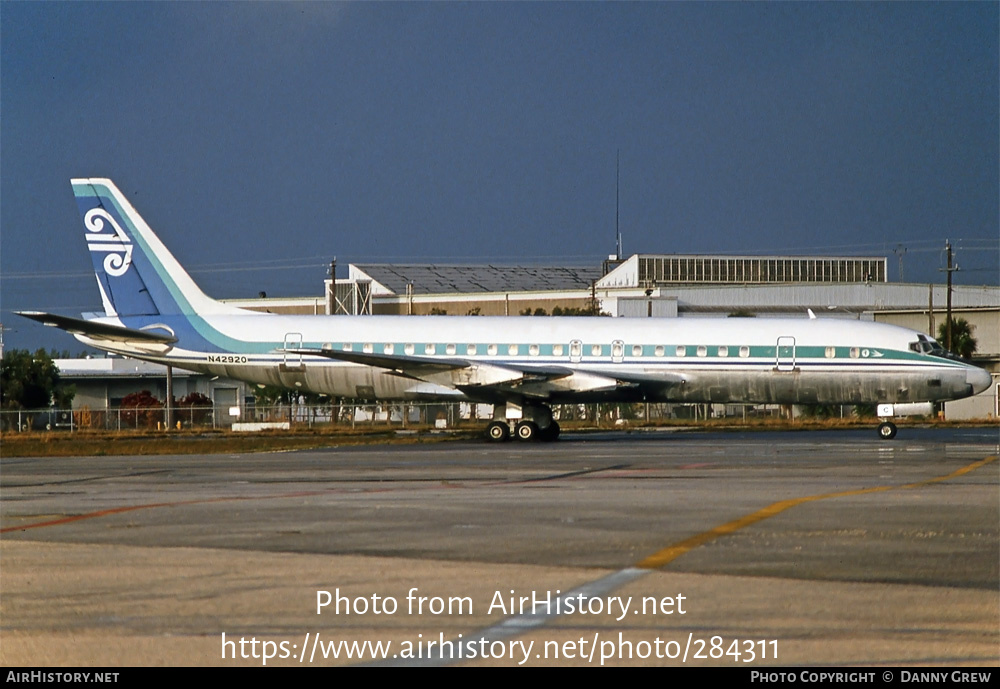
[[123, 367], [874, 296], [447, 279]]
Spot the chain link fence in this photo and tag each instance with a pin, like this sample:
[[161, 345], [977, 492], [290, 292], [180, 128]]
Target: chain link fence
[[355, 415]]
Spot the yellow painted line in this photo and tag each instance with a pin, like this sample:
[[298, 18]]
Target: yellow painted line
[[668, 555]]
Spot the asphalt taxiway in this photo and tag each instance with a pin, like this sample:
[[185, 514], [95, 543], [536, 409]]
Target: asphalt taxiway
[[786, 548]]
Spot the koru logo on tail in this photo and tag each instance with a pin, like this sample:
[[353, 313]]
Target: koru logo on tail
[[117, 244]]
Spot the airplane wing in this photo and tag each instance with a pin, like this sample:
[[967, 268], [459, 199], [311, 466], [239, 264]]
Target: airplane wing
[[98, 331], [394, 362], [506, 380]]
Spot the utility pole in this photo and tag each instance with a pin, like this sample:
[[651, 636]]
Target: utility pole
[[950, 269], [900, 251], [169, 417]]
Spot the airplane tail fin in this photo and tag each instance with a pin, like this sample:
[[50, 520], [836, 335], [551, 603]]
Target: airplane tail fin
[[136, 273]]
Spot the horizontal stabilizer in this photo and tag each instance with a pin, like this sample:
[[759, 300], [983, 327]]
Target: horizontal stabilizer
[[97, 331]]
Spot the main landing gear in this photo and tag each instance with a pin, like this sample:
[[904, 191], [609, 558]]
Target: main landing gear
[[535, 424]]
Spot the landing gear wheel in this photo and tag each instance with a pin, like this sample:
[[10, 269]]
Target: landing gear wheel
[[550, 433], [887, 430], [498, 432], [527, 431]]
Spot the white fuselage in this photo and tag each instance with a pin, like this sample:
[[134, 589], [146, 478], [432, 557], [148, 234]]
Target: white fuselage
[[681, 359]]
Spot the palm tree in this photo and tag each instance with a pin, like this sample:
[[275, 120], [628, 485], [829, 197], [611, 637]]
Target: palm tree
[[962, 341]]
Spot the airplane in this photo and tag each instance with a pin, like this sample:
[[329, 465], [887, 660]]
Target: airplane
[[154, 311]]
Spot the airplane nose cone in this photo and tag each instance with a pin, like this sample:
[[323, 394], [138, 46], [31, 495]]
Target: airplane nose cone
[[979, 379]]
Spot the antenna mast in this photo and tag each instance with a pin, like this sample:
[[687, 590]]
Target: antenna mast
[[618, 234]]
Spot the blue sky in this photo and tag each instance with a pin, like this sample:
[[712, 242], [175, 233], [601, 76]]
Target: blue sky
[[262, 139]]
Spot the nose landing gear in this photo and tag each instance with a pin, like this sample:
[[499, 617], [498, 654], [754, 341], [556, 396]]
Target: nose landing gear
[[887, 430]]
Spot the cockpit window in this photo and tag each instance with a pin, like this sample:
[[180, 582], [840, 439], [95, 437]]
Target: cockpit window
[[926, 345]]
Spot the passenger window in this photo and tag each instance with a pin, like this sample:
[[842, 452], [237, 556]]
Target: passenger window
[[388, 348], [855, 352], [512, 350], [831, 352], [430, 349], [533, 350], [636, 350], [744, 351], [557, 350], [408, 348], [470, 349], [702, 350], [723, 351], [368, 348], [681, 350], [491, 350], [449, 349], [348, 347], [659, 350], [595, 350]]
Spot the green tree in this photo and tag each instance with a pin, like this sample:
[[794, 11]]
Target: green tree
[[270, 395], [962, 341], [592, 310], [31, 381]]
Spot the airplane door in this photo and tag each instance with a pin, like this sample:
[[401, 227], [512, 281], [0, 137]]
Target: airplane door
[[785, 360], [617, 351], [293, 361]]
